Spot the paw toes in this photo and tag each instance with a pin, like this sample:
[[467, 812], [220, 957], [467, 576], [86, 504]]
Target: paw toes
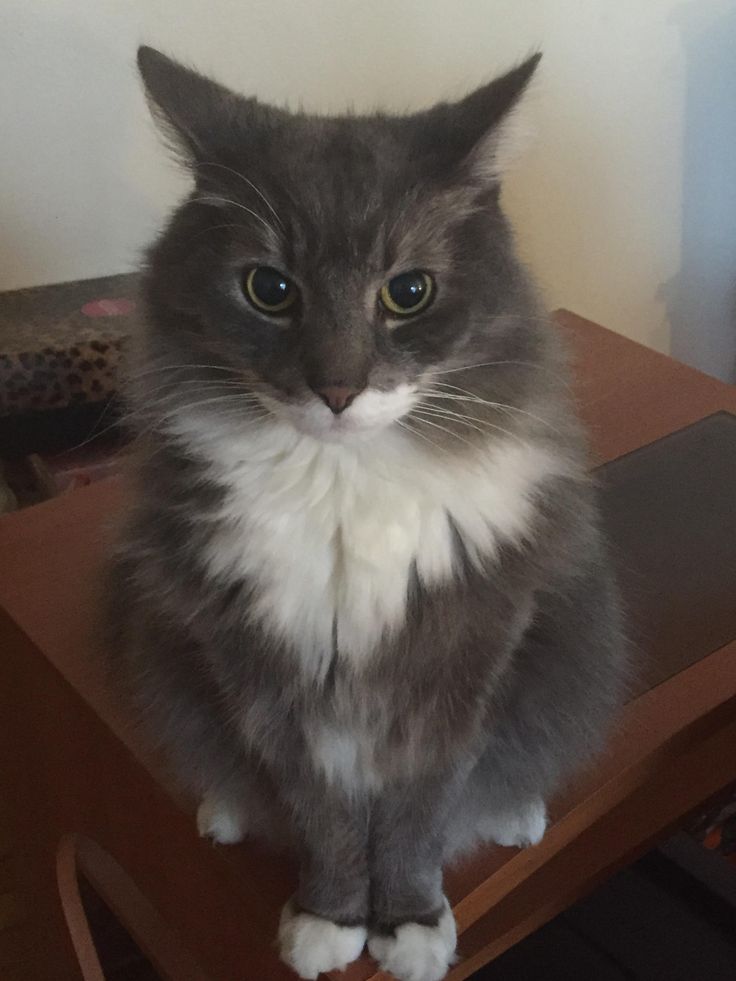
[[311, 945], [416, 952], [517, 830], [219, 821]]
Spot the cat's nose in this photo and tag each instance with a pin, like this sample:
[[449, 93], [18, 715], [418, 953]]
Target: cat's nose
[[337, 397]]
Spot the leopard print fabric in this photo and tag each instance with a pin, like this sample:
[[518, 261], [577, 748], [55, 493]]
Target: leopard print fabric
[[62, 345]]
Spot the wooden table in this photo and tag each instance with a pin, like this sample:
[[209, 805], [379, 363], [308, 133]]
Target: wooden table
[[88, 798]]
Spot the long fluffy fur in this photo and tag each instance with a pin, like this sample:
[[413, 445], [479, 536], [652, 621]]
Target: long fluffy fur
[[388, 635]]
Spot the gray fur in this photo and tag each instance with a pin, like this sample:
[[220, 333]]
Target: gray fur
[[502, 681]]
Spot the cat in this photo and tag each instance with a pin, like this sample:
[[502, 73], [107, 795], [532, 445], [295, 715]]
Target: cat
[[360, 595]]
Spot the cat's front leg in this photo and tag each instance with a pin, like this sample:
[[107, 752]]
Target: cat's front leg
[[324, 927], [412, 932]]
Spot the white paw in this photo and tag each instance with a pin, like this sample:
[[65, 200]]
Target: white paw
[[416, 952], [310, 944], [221, 821], [519, 829]]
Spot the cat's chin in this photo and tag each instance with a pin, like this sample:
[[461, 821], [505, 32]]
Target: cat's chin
[[337, 430], [372, 413]]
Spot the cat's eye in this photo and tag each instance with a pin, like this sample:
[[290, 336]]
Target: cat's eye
[[407, 293], [270, 290]]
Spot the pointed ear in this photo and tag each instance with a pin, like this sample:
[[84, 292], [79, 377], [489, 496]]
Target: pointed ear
[[183, 103], [477, 137], [201, 119]]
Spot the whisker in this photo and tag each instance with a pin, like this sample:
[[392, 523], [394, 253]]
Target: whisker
[[405, 425], [215, 228], [245, 412], [247, 401], [214, 385], [237, 204], [187, 406], [488, 364], [560, 378], [469, 421], [249, 182], [152, 409], [209, 401], [159, 425], [435, 394], [450, 432], [525, 318], [422, 409], [115, 397], [501, 406], [94, 435], [184, 367]]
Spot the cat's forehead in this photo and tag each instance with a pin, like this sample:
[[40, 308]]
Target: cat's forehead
[[351, 163], [343, 172], [343, 184]]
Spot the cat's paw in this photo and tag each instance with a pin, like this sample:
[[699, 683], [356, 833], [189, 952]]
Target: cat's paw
[[310, 944], [221, 821], [416, 952], [517, 829]]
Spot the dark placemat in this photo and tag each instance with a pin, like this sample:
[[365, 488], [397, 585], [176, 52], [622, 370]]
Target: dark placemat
[[60, 345], [670, 512]]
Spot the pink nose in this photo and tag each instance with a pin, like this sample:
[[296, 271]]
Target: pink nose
[[337, 397]]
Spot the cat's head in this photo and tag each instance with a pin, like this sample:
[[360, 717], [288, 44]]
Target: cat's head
[[332, 268]]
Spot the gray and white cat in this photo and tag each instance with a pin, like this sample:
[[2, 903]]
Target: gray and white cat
[[361, 595]]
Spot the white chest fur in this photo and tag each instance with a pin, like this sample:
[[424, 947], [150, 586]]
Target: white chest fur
[[329, 533]]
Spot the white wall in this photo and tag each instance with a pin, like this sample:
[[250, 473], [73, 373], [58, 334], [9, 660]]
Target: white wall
[[625, 207]]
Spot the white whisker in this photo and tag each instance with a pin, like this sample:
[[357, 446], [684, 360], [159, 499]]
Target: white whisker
[[501, 406], [184, 367], [95, 435], [213, 385], [405, 425], [249, 182], [422, 409], [218, 399], [469, 421], [487, 364], [214, 228], [242, 207], [450, 432]]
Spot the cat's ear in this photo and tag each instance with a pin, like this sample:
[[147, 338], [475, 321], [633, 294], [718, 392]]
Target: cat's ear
[[482, 134], [199, 117]]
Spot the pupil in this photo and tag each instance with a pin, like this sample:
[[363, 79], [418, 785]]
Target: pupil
[[270, 286], [407, 290]]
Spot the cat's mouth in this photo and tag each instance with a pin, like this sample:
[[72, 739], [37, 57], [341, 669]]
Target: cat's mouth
[[370, 413]]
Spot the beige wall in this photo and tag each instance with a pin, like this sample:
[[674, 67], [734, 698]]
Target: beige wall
[[625, 205]]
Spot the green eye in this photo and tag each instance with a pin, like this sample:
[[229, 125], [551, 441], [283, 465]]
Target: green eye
[[408, 293], [269, 290]]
